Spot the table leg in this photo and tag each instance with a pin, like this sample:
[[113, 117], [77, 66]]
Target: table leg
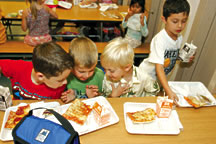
[[101, 31]]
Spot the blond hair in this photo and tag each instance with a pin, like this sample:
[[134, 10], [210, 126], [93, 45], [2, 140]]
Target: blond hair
[[84, 51], [117, 53], [33, 7]]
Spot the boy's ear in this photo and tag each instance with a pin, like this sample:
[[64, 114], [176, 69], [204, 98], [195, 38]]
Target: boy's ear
[[163, 19], [39, 76], [128, 67]]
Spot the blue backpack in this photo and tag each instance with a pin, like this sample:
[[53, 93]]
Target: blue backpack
[[35, 130]]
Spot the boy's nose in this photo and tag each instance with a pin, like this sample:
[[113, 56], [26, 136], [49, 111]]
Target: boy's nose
[[86, 75], [180, 24]]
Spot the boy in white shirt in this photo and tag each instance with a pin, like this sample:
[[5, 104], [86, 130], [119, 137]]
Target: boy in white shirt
[[164, 48], [123, 79]]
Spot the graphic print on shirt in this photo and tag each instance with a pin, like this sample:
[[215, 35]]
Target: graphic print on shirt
[[80, 94], [21, 93], [170, 57]]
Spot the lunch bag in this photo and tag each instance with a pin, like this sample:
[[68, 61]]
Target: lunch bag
[[35, 130]]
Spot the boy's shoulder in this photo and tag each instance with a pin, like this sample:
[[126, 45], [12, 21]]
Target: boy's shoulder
[[99, 71], [163, 38], [160, 35]]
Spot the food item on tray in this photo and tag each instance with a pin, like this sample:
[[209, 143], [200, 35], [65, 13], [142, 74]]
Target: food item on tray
[[15, 117], [78, 112], [85, 3], [195, 101], [47, 113], [205, 99], [101, 114], [144, 116], [164, 106]]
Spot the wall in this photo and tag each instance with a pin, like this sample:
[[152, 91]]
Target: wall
[[203, 34]]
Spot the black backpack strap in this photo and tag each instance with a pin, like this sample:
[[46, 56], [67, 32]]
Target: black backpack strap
[[65, 123]]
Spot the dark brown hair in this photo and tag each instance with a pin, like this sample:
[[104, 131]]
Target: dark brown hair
[[51, 60]]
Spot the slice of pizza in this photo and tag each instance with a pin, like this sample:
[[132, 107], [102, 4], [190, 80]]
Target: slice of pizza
[[15, 117], [78, 112], [23, 110], [195, 102], [145, 116]]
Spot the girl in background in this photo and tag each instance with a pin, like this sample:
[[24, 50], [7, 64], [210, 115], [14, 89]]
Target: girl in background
[[36, 20], [135, 22]]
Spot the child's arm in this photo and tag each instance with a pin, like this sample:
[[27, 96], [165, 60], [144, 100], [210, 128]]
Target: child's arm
[[125, 20], [129, 14], [24, 22], [51, 12], [144, 27], [68, 96], [162, 78]]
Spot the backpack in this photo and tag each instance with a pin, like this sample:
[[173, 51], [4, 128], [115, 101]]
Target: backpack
[[32, 129]]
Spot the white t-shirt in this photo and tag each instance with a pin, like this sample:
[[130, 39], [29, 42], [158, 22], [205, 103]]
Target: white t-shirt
[[163, 50]]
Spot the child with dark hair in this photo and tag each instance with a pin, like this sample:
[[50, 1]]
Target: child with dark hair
[[43, 78], [164, 48], [135, 22]]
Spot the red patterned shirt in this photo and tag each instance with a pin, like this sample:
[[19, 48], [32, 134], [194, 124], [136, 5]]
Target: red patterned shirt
[[19, 72]]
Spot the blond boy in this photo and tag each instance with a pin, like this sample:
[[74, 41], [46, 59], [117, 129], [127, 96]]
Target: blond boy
[[123, 79], [86, 79]]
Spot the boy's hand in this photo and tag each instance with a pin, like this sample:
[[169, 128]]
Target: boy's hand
[[92, 91], [119, 90], [192, 58], [142, 19], [174, 97], [68, 96]]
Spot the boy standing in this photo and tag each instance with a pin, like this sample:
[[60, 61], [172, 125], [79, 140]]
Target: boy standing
[[44, 77], [123, 79], [166, 44], [86, 79]]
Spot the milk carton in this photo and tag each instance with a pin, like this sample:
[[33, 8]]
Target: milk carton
[[187, 51], [101, 114], [5, 98], [164, 107]]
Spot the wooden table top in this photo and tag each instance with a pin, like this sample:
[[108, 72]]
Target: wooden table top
[[199, 126], [74, 14], [19, 47]]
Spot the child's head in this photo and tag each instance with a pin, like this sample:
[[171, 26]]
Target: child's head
[[52, 64], [33, 6], [175, 15], [175, 7], [85, 54], [117, 59], [137, 6]]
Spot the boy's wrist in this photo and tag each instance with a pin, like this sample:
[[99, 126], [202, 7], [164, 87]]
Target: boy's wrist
[[114, 96]]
